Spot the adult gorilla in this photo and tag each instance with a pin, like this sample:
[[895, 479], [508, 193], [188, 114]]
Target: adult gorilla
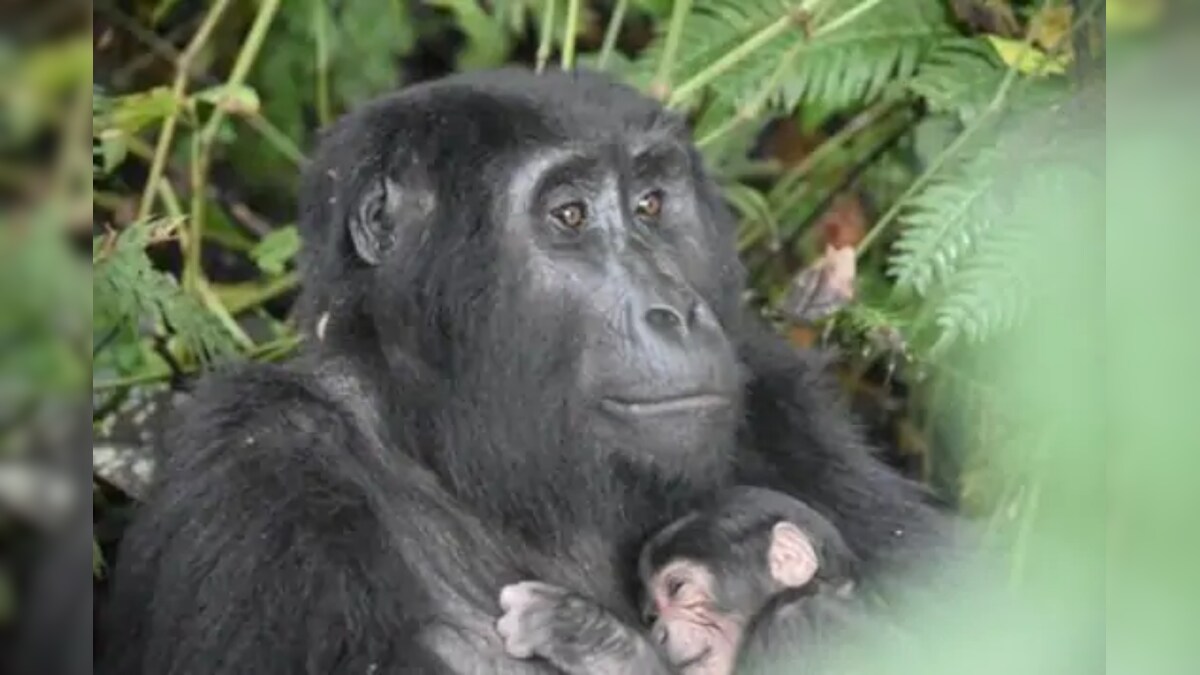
[[528, 353]]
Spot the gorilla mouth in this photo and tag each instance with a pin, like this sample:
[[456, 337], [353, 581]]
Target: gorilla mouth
[[671, 405]]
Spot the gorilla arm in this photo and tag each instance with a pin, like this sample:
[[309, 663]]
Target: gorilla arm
[[805, 444], [271, 546]]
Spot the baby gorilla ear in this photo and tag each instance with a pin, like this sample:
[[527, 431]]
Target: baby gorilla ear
[[384, 208], [791, 558]]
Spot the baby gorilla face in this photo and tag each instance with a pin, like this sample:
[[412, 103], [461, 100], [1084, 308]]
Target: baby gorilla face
[[698, 637], [702, 608]]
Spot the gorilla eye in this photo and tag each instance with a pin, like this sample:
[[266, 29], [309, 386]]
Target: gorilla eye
[[572, 216], [674, 586], [649, 205]]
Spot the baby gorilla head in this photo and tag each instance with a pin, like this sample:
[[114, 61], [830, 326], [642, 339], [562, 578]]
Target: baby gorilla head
[[708, 574]]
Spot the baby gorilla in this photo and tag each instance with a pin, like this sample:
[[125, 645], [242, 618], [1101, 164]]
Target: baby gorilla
[[757, 578]]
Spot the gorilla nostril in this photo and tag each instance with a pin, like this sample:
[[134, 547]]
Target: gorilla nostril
[[663, 316], [659, 634]]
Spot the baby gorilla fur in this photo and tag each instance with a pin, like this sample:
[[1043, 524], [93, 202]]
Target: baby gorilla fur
[[733, 588]]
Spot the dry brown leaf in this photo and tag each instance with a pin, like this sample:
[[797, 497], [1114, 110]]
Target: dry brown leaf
[[822, 288]]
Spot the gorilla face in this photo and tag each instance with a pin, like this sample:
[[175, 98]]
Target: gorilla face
[[609, 229], [565, 267]]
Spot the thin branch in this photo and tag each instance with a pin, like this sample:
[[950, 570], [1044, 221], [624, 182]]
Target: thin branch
[[660, 87], [611, 33], [166, 51], [178, 89], [547, 35], [321, 32], [567, 59], [202, 147]]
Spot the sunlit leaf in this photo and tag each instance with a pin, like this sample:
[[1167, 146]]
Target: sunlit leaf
[[1028, 59], [133, 112], [236, 99], [277, 249]]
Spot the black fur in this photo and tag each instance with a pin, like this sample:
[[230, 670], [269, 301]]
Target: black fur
[[358, 510]]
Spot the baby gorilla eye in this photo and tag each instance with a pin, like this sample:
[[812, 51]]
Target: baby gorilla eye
[[649, 206], [674, 586], [572, 216]]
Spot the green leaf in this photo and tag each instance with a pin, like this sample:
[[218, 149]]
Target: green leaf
[[1028, 59], [236, 99], [276, 250], [113, 149], [133, 112], [845, 66], [132, 296], [488, 43]]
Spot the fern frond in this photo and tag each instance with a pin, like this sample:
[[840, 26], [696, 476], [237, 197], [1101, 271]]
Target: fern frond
[[960, 76], [130, 293], [941, 225], [989, 293], [841, 67]]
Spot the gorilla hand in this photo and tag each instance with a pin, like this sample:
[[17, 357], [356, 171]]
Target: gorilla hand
[[570, 631]]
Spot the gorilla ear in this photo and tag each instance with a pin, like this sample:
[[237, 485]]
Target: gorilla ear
[[375, 219], [791, 558]]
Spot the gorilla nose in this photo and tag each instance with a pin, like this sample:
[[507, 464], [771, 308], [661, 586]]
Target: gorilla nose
[[677, 319]]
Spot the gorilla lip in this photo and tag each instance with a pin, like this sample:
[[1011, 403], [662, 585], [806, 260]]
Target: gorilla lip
[[667, 405]]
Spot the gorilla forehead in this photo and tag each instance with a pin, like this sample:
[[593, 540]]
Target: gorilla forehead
[[513, 109]]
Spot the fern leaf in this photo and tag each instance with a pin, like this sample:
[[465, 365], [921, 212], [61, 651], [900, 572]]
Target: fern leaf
[[130, 293], [841, 67], [942, 224], [959, 77], [990, 292]]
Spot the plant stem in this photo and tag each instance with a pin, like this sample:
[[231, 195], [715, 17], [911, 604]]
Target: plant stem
[[267, 291], [567, 60], [202, 145], [994, 106], [213, 303], [660, 87], [611, 33], [166, 51], [182, 72], [547, 36], [284, 145], [321, 32], [271, 351]]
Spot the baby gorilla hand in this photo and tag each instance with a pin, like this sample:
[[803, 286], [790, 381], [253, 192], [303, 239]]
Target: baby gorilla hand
[[570, 631], [532, 613]]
